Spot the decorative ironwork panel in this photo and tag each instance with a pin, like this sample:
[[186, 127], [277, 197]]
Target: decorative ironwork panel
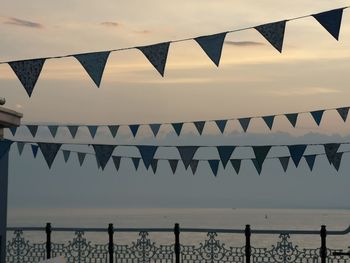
[[211, 251], [81, 251], [144, 251], [19, 250]]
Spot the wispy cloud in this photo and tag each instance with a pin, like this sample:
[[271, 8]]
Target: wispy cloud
[[23, 23], [307, 91], [142, 32], [110, 24], [244, 43]]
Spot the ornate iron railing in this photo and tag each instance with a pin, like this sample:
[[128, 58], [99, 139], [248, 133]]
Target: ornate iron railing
[[144, 250]]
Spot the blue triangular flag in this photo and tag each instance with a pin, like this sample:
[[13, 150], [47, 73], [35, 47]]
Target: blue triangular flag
[[214, 165], [5, 146], [261, 153], [317, 115], [194, 165], [20, 146], [274, 33], [35, 150], [66, 155], [173, 165], [136, 162], [292, 117], [116, 161], [212, 46], [28, 72], [331, 150], [73, 129], [134, 128], [244, 123], [177, 127], [221, 125], [33, 129], [94, 64], [296, 152], [53, 130], [343, 112], [103, 153], [236, 164], [284, 162], [269, 120], [92, 130], [156, 54], [13, 130], [225, 153], [257, 165], [155, 128], [49, 151], [154, 165], [199, 126], [113, 129], [331, 21], [147, 153], [310, 160], [187, 153], [337, 160], [81, 158]]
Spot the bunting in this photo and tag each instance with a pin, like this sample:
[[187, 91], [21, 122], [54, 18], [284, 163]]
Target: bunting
[[292, 118], [199, 126], [66, 155], [337, 160], [155, 128], [187, 153], [154, 165], [73, 129], [92, 130], [296, 152], [136, 162], [236, 164], [269, 120], [274, 33], [116, 161], [331, 151], [310, 160], [113, 129], [194, 166], [331, 21], [173, 165], [317, 115], [212, 46], [53, 130], [343, 113], [20, 147], [261, 153], [103, 153], [214, 165], [34, 150], [134, 128], [157, 55], [32, 129], [177, 127], [284, 162], [81, 157], [225, 153], [147, 154], [257, 165], [221, 125], [49, 151], [244, 123]]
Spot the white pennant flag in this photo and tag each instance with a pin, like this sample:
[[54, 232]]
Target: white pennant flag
[[157, 55]]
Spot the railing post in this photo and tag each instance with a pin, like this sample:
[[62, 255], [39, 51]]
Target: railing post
[[110, 243], [323, 249], [247, 233], [177, 243], [48, 240]]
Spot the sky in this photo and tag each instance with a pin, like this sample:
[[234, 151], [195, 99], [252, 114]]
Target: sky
[[253, 79]]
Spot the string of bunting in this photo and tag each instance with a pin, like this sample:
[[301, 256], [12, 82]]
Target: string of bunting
[[104, 153], [199, 124], [28, 71]]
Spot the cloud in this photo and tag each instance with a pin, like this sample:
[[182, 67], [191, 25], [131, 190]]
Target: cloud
[[24, 23], [304, 91], [143, 32], [244, 43], [110, 24]]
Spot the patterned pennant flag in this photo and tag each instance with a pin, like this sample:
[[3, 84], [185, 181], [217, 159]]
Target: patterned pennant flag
[[221, 125], [5, 146], [20, 146], [343, 113], [194, 165], [212, 46], [154, 165], [35, 150], [177, 127], [331, 150], [53, 130], [28, 72], [157, 54], [134, 128], [94, 64], [236, 164], [274, 33], [214, 165], [66, 155], [296, 152], [49, 151], [136, 162], [13, 130], [155, 128], [103, 153], [81, 158], [337, 160], [317, 115], [92, 130], [73, 129], [116, 161], [292, 117], [32, 129], [199, 126], [269, 120], [187, 153], [244, 123], [310, 160], [331, 21], [147, 153], [225, 153], [113, 129], [261, 153], [257, 166], [173, 165], [284, 162]]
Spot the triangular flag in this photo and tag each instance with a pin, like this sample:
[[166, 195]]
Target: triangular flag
[[225, 153], [136, 162], [337, 160], [155, 128], [236, 164], [274, 33], [53, 130], [212, 46], [134, 128], [257, 165], [156, 54], [177, 127], [94, 64], [331, 150], [214, 165], [116, 161], [317, 115], [5, 146], [147, 153], [20, 146], [331, 21], [296, 152], [343, 112], [103, 153], [154, 165], [81, 158], [33, 129], [28, 72], [113, 129], [98, 163], [13, 130], [173, 165], [269, 120], [187, 153], [73, 129], [244, 123], [66, 155], [221, 125], [261, 153], [310, 160], [284, 162], [35, 150], [49, 151], [194, 165], [92, 130], [292, 117], [199, 126]]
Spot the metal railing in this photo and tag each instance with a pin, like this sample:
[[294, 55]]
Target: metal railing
[[20, 250]]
